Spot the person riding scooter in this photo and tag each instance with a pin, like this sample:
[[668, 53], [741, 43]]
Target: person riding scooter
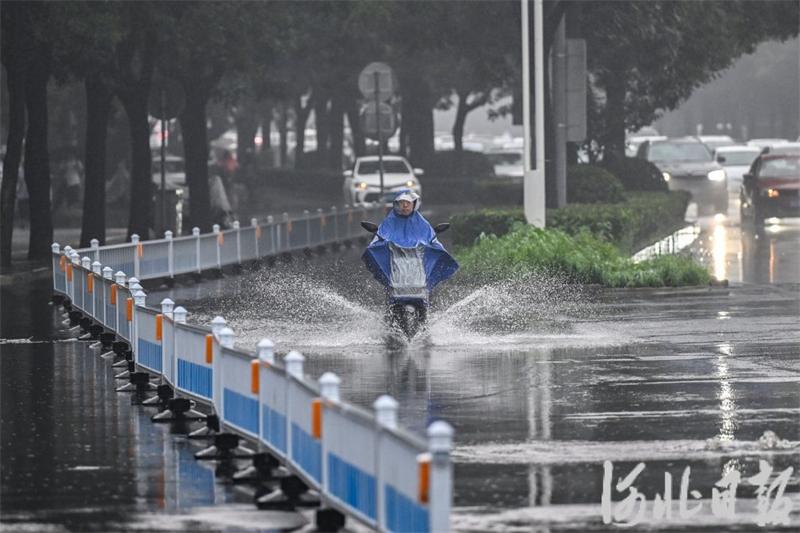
[[408, 260]]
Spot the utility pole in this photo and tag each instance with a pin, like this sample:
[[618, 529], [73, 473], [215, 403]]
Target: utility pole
[[533, 127]]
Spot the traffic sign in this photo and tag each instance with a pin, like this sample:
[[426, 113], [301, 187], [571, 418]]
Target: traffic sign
[[370, 120], [378, 76]]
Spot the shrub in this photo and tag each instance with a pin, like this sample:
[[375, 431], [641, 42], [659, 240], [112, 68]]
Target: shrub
[[447, 180], [636, 174], [645, 217], [590, 184], [582, 259], [498, 192]]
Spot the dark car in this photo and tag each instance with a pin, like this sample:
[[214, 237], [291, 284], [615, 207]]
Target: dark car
[[688, 165], [771, 188]]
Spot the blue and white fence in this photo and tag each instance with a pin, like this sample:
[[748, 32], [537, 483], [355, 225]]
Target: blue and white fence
[[361, 462], [171, 256]]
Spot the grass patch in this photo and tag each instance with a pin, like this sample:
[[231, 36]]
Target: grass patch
[[581, 258]]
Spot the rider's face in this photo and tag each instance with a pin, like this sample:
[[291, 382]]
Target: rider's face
[[404, 207]]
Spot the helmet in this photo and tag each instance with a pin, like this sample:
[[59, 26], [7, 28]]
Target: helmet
[[409, 195]]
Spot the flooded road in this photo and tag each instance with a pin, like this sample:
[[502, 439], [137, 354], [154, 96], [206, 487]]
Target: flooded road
[[544, 381]]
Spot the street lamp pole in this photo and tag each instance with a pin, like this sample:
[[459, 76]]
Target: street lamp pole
[[534, 189]]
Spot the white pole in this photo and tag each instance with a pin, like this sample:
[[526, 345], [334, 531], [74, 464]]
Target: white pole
[[534, 190]]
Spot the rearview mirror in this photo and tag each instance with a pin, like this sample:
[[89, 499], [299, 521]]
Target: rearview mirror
[[369, 226], [439, 228], [720, 159], [348, 173], [747, 177], [418, 172]]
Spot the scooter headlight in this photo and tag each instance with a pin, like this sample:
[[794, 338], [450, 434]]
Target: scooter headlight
[[666, 176], [411, 183], [717, 175]]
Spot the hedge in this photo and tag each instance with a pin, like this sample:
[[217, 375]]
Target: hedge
[[644, 218], [636, 174], [590, 184]]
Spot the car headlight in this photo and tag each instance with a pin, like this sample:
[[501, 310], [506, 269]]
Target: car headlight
[[773, 193], [411, 183], [666, 176], [717, 175], [362, 185]]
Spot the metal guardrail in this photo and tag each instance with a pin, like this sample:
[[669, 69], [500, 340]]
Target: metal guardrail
[[361, 462], [171, 256]]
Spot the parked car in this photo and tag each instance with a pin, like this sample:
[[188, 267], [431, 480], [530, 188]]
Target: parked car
[[783, 148], [362, 183], [174, 170], [736, 161], [633, 142], [507, 164], [765, 143], [771, 188], [716, 141], [688, 165]]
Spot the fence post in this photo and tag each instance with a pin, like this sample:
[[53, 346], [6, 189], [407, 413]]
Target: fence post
[[238, 229], [108, 272], [166, 307], [96, 268], [307, 216], [254, 223], [335, 217], [137, 250], [226, 340], [294, 370], [170, 254], [179, 316], [216, 325], [273, 234], [215, 228], [329, 390], [196, 234], [95, 244], [440, 441], [266, 351], [288, 229], [386, 416], [139, 300], [119, 278]]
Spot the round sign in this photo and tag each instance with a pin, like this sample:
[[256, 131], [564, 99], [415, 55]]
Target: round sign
[[384, 117], [166, 100], [378, 77]]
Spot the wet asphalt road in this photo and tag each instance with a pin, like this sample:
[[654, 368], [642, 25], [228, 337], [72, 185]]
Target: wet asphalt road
[[543, 383]]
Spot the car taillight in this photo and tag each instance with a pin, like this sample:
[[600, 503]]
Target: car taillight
[[773, 193]]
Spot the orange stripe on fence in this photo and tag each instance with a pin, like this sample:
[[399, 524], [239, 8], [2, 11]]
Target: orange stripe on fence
[[221, 239], [288, 226], [424, 465], [129, 310], [316, 418], [254, 376], [159, 327], [258, 232], [140, 249], [62, 263], [90, 282], [209, 349], [322, 221], [114, 294], [69, 271]]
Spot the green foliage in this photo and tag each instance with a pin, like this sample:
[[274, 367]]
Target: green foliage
[[452, 179], [582, 258], [589, 184], [645, 217], [635, 174]]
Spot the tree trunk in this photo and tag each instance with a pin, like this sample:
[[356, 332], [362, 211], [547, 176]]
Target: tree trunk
[[140, 220], [246, 128], [283, 130], [336, 128], [614, 111], [323, 127], [15, 80], [98, 109], [195, 147], [301, 117], [353, 118], [458, 125], [37, 159]]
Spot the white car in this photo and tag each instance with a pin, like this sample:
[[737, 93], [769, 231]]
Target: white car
[[174, 170], [362, 184], [736, 161], [507, 164], [765, 143], [716, 141]]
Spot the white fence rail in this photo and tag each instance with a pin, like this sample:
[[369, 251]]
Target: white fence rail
[[360, 462]]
